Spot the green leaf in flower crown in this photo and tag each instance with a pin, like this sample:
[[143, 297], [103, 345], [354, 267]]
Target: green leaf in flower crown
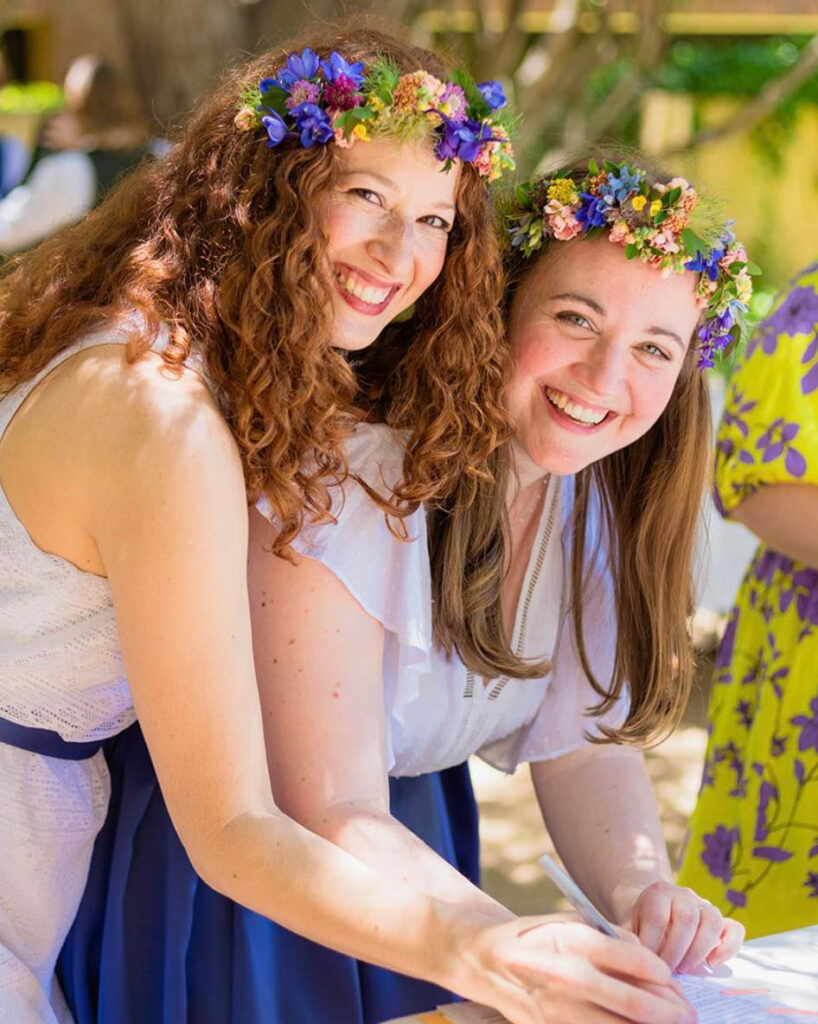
[[669, 198], [382, 79], [693, 243], [753, 268], [630, 251], [593, 167], [350, 118]]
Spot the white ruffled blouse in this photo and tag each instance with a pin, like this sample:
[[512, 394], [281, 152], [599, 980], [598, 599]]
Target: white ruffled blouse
[[439, 713]]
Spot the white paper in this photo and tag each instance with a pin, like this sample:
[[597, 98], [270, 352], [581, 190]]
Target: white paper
[[771, 981]]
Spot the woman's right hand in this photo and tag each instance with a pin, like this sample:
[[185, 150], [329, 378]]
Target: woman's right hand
[[557, 970]]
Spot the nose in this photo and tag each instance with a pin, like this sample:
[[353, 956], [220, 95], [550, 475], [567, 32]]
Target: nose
[[602, 367], [392, 246]]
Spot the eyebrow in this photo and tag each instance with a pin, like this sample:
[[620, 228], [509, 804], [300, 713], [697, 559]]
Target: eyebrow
[[654, 331], [389, 183]]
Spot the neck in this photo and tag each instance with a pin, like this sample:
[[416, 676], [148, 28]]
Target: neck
[[525, 477]]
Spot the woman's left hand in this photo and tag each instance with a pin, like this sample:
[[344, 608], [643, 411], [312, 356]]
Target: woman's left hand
[[682, 928]]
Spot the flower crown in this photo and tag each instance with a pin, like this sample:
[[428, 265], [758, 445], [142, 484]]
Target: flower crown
[[653, 223], [320, 101]]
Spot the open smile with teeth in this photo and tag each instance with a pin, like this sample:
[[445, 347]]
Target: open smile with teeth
[[573, 410], [361, 289]]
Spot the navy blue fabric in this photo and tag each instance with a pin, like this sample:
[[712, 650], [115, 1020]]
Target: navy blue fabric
[[153, 943], [45, 742]]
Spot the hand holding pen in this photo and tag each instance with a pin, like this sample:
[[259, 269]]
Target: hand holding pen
[[593, 917]]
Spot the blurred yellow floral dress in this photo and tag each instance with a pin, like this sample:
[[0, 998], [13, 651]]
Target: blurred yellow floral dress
[[752, 845]]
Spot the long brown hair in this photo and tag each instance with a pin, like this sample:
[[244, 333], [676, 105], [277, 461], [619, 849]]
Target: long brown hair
[[648, 499], [221, 243]]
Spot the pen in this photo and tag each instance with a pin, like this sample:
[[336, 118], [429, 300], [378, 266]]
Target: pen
[[576, 897]]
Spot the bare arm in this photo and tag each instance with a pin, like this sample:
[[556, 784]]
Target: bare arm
[[148, 490], [599, 807], [319, 661], [600, 810], [785, 517]]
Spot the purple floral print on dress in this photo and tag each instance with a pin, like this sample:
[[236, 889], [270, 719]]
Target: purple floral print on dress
[[718, 852], [809, 728], [797, 314]]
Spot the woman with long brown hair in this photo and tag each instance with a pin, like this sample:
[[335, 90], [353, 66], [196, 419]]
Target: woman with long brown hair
[[547, 622], [172, 357]]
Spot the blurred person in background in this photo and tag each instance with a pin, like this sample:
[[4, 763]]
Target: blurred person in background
[[752, 846], [97, 137]]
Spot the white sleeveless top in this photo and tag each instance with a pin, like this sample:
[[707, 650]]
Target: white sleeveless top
[[438, 712], [60, 669]]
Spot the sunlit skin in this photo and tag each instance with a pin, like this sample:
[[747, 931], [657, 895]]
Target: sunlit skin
[[603, 332], [388, 221]]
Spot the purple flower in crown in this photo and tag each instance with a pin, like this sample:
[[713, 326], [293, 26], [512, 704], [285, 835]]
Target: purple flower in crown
[[336, 69], [492, 93], [708, 264], [313, 125], [462, 140], [299, 67], [275, 127], [593, 213], [303, 92]]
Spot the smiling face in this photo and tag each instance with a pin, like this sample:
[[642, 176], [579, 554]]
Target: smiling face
[[387, 221], [598, 343]]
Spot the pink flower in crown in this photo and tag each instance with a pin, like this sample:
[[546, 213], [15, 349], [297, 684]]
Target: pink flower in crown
[[341, 140], [665, 241], [735, 253], [483, 161], [303, 92], [453, 102], [559, 220], [620, 232]]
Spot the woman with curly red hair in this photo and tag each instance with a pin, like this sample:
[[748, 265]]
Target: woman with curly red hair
[[170, 359]]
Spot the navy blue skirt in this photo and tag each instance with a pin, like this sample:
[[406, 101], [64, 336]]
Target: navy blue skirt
[[153, 943]]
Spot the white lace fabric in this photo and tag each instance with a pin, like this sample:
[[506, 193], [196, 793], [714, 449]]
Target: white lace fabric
[[60, 669]]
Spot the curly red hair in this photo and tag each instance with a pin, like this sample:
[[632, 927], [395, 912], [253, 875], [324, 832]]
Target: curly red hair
[[221, 243]]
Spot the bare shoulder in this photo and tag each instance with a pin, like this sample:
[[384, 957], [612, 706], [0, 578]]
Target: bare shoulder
[[100, 434]]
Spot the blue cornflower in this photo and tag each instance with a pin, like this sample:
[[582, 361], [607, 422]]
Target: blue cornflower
[[462, 140], [313, 123], [336, 66], [621, 185], [592, 212], [708, 264], [276, 127], [492, 93], [299, 68]]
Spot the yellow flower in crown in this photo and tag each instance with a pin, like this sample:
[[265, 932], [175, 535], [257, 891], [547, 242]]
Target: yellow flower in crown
[[563, 191], [652, 223], [315, 101]]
